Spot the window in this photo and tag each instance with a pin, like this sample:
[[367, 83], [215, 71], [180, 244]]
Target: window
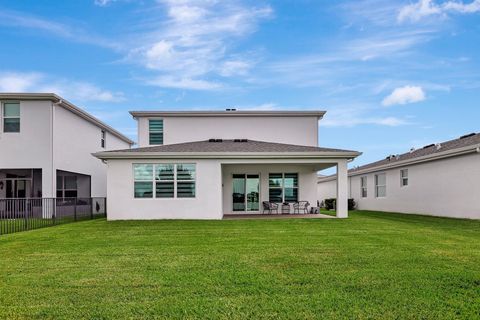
[[155, 129], [67, 187], [380, 185], [404, 177], [11, 117], [283, 187], [164, 180], [363, 187], [102, 139]]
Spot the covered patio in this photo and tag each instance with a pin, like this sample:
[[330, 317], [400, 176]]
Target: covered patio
[[276, 216]]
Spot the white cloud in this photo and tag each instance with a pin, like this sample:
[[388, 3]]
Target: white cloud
[[17, 19], [194, 42], [352, 121], [426, 8], [103, 3], [404, 95], [18, 82], [183, 83]]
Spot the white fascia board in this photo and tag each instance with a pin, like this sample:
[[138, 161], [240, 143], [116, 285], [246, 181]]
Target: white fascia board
[[223, 155], [215, 113]]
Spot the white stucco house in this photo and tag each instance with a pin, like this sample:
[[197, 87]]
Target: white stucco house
[[440, 179], [207, 164], [46, 146]]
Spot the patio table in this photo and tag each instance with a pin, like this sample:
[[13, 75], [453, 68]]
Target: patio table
[[285, 208]]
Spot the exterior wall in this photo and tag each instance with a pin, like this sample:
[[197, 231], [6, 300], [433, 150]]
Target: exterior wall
[[327, 189], [447, 188], [307, 178], [75, 141], [52, 138], [290, 130], [32, 146], [122, 205]]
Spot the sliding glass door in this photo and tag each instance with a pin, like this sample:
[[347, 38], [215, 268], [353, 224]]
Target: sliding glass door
[[246, 192]]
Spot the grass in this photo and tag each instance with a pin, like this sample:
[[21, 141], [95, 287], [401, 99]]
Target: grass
[[373, 265]]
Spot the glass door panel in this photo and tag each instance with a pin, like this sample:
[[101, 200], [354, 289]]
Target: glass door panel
[[238, 193], [253, 192]]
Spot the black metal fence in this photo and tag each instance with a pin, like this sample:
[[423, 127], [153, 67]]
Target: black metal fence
[[32, 213]]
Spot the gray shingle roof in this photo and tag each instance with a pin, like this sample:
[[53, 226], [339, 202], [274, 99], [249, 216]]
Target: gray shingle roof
[[465, 141], [230, 146]]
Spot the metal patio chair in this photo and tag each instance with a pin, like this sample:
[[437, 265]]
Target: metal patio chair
[[301, 207]]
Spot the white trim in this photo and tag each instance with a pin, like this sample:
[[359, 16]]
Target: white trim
[[213, 113]]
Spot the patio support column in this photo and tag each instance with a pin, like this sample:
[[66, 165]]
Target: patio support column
[[342, 189]]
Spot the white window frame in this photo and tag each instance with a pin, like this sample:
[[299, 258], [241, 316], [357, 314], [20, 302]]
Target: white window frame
[[175, 181], [363, 187], [404, 178], [163, 131], [282, 187], [377, 186], [3, 117]]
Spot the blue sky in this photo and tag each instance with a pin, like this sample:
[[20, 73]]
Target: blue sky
[[391, 74]]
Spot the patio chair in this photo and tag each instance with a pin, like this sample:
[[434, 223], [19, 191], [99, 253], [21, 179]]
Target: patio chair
[[301, 207], [270, 207]]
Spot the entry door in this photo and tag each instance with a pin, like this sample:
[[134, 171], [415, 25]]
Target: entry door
[[246, 192]]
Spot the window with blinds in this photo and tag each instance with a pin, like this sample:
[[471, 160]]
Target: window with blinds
[[155, 129]]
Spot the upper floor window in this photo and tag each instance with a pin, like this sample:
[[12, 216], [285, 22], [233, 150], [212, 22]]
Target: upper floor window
[[103, 139], [155, 129], [363, 187], [380, 185], [283, 187], [11, 117], [404, 177]]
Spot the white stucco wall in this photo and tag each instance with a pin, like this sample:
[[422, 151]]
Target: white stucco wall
[[290, 130], [75, 141], [448, 188], [32, 146], [306, 182], [121, 204], [52, 138], [326, 190]]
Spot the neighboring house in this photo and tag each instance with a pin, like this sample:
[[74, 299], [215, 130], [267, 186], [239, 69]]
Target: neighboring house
[[440, 179], [46, 146], [204, 164]]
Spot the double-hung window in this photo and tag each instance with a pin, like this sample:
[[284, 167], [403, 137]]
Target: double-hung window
[[380, 185], [363, 187], [155, 131], [404, 177], [283, 187], [11, 117], [164, 180]]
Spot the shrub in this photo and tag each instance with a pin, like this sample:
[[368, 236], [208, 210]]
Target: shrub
[[332, 202]]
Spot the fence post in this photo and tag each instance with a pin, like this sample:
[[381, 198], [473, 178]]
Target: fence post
[[75, 209], [25, 215], [105, 202], [91, 208]]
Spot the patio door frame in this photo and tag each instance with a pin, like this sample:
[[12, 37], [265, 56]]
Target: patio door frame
[[245, 175]]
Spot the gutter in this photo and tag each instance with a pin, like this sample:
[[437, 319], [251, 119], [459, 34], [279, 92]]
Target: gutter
[[216, 113]]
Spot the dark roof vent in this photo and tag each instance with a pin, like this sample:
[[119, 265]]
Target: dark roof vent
[[240, 140], [215, 140], [468, 135], [428, 146], [230, 109]]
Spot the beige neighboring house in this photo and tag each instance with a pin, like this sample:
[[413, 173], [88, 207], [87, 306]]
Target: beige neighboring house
[[207, 164], [440, 179], [46, 146]]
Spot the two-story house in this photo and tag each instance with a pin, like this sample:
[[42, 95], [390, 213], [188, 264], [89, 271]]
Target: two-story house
[[46, 146], [207, 164]]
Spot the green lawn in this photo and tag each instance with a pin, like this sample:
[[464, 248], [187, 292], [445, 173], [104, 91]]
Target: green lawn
[[373, 265]]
